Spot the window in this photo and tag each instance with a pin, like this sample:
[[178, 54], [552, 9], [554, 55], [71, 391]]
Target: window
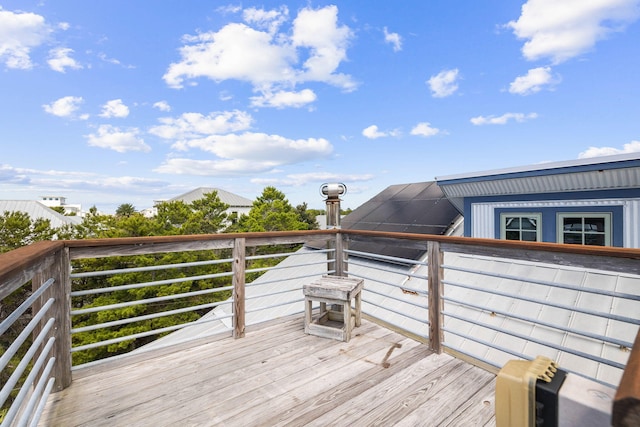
[[521, 226], [592, 229]]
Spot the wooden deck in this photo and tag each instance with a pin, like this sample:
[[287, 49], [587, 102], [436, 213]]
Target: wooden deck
[[278, 376]]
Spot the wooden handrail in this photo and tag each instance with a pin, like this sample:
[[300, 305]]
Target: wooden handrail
[[20, 265], [626, 404]]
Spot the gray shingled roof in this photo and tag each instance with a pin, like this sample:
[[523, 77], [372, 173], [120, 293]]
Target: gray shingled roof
[[230, 199], [37, 210]]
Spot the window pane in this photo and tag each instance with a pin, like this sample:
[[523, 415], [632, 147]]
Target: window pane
[[512, 235], [572, 224], [513, 223], [573, 238], [594, 239], [529, 236], [594, 224], [528, 223]]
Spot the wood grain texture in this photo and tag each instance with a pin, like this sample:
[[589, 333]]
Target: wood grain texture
[[279, 376]]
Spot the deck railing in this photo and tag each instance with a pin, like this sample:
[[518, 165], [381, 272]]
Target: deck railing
[[452, 298]]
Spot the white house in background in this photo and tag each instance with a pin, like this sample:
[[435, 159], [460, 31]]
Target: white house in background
[[592, 201], [60, 201], [36, 209], [238, 205]]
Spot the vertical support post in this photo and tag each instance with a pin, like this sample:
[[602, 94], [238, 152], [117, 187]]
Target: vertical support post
[[60, 291], [436, 304], [334, 258], [339, 254], [239, 263]]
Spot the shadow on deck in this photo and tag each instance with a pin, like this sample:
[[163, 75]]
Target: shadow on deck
[[277, 375]]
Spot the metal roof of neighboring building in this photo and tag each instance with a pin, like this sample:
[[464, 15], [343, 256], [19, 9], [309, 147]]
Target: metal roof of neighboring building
[[599, 173], [230, 199], [37, 210]]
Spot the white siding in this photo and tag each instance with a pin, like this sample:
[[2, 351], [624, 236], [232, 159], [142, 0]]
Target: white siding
[[483, 215]]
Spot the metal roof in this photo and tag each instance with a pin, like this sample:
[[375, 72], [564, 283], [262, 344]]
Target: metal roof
[[419, 208], [231, 199], [37, 210], [600, 173]]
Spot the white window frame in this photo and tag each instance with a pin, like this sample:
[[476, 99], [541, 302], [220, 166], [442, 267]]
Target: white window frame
[[536, 215], [604, 215]]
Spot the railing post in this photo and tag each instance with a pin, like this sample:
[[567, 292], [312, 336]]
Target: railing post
[[626, 404], [436, 305], [339, 263], [239, 267], [61, 311]]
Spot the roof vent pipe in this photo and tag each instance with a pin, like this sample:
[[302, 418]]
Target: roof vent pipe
[[333, 192]]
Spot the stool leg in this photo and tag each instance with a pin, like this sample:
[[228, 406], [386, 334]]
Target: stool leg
[[346, 310], [358, 308], [307, 314]]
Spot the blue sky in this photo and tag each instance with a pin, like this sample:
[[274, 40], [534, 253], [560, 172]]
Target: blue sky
[[118, 101]]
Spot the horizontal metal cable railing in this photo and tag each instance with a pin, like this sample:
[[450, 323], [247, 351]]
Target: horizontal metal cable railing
[[483, 321], [26, 387], [195, 293], [395, 290]]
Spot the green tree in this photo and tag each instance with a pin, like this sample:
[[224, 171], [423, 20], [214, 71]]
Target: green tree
[[125, 209], [271, 211], [18, 229], [172, 216], [60, 209], [308, 216], [94, 225], [208, 215]]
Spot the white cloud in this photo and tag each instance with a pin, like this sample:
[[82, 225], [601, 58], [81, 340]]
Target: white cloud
[[318, 30], [268, 59], [561, 30], [114, 108], [631, 147], [237, 51], [424, 129], [64, 107], [533, 81], [297, 180], [261, 147], [60, 59], [444, 83], [503, 119], [372, 132], [20, 32], [115, 139], [234, 153], [245, 153], [162, 106], [196, 125], [182, 166], [270, 20], [394, 39], [283, 99]]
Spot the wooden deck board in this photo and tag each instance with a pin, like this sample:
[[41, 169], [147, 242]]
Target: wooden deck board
[[279, 376]]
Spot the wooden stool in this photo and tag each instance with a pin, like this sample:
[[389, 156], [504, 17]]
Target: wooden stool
[[337, 291]]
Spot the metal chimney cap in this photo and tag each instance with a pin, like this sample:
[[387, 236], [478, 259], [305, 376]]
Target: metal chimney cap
[[333, 190]]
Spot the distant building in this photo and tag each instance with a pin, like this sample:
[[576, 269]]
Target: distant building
[[59, 201], [592, 201], [36, 209], [238, 205]]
